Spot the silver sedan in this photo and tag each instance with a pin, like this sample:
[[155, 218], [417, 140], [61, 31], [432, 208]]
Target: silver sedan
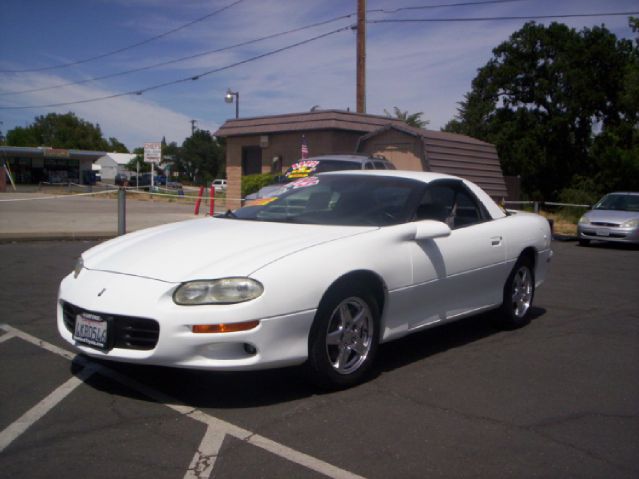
[[614, 218]]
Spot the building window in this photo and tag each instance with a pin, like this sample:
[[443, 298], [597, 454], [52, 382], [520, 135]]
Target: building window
[[251, 160]]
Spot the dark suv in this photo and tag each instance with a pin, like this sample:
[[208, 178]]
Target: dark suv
[[321, 164]]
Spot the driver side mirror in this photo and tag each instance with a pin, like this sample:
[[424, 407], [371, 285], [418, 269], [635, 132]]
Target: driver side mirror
[[431, 229]]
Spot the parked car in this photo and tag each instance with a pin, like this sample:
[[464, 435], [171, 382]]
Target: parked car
[[219, 185], [614, 218], [144, 180], [121, 179], [323, 274], [315, 165]]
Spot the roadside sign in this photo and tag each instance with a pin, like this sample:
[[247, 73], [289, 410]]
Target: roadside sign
[[153, 155], [152, 152]]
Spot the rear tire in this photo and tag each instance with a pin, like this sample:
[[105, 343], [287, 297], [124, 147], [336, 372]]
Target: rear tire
[[344, 337], [584, 242], [519, 293]]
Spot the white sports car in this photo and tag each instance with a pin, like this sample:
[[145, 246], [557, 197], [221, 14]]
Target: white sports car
[[322, 275]]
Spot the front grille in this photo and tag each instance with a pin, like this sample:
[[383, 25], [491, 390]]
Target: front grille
[[129, 332], [611, 235], [601, 223]]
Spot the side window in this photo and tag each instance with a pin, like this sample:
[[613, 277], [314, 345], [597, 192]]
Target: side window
[[437, 203], [467, 211], [450, 203], [380, 165], [369, 166]]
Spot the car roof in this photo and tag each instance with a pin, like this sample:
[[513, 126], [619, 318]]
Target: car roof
[[424, 176]]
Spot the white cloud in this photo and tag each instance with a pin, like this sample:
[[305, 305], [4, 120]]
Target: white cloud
[[131, 119]]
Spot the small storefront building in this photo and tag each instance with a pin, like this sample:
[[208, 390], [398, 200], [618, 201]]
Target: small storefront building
[[271, 144], [30, 165]]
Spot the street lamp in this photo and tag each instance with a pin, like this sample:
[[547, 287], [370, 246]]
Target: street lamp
[[228, 98]]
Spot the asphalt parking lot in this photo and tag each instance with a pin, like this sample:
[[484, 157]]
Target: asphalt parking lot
[[558, 398]]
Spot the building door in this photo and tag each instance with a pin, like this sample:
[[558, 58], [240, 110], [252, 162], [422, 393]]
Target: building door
[[251, 160]]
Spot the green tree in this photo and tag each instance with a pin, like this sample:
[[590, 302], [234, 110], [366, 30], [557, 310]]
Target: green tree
[[62, 131], [138, 162], [116, 146], [201, 157], [558, 105], [411, 119], [171, 154]]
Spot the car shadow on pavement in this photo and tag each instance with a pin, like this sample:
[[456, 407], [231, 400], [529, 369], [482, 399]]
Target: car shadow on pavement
[[248, 389], [420, 346], [610, 246]]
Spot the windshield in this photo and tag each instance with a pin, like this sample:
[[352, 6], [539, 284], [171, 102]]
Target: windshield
[[618, 202], [340, 200]]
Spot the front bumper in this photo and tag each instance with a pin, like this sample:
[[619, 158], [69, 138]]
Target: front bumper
[[277, 341], [608, 233]]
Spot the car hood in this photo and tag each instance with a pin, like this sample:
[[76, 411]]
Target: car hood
[[208, 248], [611, 216]]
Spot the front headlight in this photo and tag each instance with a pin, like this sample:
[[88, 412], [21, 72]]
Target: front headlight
[[217, 291], [630, 223], [584, 220]]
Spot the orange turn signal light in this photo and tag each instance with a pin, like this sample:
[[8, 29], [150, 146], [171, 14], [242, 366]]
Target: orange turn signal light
[[225, 328]]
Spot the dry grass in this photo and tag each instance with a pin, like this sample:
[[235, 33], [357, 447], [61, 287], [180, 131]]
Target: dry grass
[[561, 225]]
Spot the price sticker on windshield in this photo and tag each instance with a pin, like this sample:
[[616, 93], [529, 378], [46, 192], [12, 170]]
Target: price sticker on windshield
[[302, 169]]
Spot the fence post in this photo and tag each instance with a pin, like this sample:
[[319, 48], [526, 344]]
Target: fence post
[[198, 201], [536, 206], [212, 200], [121, 211]]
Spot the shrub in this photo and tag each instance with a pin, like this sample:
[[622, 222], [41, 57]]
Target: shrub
[[252, 183], [582, 191]]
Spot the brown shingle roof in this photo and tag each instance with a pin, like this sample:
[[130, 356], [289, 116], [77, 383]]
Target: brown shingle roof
[[314, 120], [458, 155]]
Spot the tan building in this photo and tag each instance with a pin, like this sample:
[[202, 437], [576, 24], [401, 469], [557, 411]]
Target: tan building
[[271, 144]]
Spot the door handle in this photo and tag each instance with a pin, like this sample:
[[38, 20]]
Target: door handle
[[495, 240]]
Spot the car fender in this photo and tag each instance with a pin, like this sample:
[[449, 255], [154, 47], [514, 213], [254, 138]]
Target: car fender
[[311, 272]]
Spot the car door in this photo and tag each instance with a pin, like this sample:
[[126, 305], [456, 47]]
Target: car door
[[462, 272]]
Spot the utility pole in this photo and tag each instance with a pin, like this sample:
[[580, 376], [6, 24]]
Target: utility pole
[[193, 122], [361, 56]]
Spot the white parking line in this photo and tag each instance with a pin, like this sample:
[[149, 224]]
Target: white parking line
[[203, 461], [6, 336], [14, 430]]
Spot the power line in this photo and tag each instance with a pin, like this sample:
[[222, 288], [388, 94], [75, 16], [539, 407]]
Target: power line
[[441, 5], [182, 80], [483, 19], [196, 77], [181, 59], [248, 42], [129, 47], [200, 19]]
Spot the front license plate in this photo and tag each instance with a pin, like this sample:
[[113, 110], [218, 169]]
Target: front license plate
[[603, 233], [92, 330]]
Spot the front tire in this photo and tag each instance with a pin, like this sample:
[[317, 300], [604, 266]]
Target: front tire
[[519, 292], [344, 337]]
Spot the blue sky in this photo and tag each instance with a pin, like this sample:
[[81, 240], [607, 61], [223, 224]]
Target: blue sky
[[424, 67]]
